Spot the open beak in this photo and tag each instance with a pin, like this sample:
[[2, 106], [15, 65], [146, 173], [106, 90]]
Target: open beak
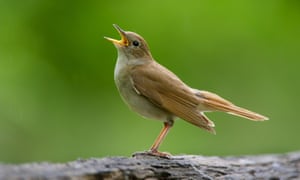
[[123, 42]]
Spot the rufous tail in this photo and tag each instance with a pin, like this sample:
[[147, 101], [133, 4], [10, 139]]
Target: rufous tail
[[216, 103]]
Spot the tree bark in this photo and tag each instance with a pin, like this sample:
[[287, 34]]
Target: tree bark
[[143, 166]]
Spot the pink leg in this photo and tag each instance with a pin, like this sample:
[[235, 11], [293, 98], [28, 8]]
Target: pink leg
[[159, 139]]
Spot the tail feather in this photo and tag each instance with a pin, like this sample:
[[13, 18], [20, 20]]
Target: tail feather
[[216, 103], [238, 111]]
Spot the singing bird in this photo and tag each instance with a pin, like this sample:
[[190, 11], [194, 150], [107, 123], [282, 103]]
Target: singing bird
[[155, 92]]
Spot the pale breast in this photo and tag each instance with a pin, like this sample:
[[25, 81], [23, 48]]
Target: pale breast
[[132, 98]]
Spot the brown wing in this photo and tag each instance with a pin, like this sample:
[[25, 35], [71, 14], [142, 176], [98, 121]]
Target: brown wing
[[166, 90]]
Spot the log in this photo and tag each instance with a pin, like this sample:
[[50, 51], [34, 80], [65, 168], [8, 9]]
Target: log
[[144, 166]]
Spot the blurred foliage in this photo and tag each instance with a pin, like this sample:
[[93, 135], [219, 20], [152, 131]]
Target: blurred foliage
[[58, 101]]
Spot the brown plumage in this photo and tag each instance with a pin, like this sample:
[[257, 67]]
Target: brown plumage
[[182, 101], [155, 92]]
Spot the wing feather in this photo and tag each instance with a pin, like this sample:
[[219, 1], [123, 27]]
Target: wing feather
[[168, 92]]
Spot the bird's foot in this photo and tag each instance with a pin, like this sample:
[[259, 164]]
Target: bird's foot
[[155, 153], [159, 154]]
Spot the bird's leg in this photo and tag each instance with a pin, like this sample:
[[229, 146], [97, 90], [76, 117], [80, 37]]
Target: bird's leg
[[159, 139]]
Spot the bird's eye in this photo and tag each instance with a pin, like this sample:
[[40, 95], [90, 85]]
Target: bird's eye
[[135, 43]]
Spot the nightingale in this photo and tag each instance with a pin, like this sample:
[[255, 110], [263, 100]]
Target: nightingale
[[154, 92]]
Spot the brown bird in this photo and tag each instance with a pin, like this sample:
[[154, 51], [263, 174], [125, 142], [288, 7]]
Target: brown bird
[[153, 91]]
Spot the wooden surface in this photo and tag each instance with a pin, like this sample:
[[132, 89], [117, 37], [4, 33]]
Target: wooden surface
[[142, 166]]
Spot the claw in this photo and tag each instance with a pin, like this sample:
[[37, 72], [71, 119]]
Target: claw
[[164, 155], [159, 154]]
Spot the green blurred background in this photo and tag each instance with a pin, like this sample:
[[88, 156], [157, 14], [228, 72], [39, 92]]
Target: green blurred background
[[58, 101]]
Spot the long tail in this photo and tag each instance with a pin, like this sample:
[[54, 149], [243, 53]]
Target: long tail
[[214, 102]]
